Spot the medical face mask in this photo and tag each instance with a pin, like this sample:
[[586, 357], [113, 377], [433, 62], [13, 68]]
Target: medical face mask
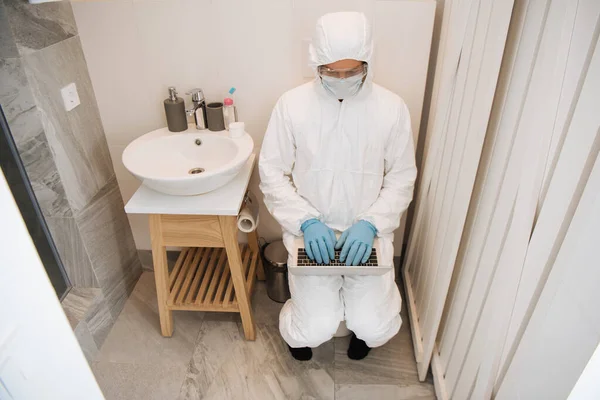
[[343, 88]]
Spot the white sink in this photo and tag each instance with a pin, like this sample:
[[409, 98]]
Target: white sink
[[186, 163]]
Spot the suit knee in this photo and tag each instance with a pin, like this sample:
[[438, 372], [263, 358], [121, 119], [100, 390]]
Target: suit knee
[[308, 329], [374, 328]]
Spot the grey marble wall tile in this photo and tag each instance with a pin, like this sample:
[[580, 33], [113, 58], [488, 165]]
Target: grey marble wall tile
[[79, 302], [26, 128], [8, 48], [86, 342], [99, 322], [44, 178], [37, 26], [72, 251], [109, 242], [76, 137], [17, 101], [118, 292]]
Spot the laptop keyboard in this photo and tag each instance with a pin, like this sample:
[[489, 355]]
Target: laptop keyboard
[[304, 261]]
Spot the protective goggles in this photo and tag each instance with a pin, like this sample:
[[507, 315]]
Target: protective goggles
[[342, 73]]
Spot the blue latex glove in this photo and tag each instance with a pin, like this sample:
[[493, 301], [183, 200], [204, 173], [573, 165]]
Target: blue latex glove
[[356, 243], [319, 241]]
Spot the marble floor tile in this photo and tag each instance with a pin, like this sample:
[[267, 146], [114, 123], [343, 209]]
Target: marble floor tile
[[225, 366], [136, 338], [36, 26], [265, 310], [139, 381], [384, 392], [391, 364], [221, 364]]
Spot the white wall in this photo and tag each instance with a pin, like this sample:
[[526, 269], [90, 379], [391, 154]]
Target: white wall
[[136, 49]]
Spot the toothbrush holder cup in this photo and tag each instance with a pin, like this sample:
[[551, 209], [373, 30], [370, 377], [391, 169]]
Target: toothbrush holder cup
[[214, 117]]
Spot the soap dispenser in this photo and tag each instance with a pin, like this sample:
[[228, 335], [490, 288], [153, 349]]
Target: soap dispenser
[[175, 111]]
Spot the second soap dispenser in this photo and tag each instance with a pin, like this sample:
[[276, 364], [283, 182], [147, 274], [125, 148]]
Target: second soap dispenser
[[175, 112]]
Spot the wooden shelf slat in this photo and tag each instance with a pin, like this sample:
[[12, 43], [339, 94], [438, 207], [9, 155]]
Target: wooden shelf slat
[[228, 293], [177, 267], [233, 308], [183, 273], [207, 276], [222, 285], [190, 275], [216, 277], [201, 279], [199, 275]]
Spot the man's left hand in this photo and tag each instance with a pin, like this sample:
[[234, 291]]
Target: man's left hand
[[357, 243]]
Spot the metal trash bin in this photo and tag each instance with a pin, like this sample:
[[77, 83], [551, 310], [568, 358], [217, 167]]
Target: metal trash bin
[[274, 256]]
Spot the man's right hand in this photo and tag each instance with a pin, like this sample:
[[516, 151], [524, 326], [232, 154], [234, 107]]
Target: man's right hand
[[319, 241]]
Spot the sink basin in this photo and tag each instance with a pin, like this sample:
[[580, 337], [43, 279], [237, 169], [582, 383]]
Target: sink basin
[[186, 163]]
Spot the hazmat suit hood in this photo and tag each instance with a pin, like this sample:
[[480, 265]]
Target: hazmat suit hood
[[339, 36]]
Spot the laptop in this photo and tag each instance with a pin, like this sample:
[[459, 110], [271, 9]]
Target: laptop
[[302, 265]]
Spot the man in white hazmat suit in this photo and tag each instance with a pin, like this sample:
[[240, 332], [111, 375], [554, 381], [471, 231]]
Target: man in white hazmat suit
[[347, 145]]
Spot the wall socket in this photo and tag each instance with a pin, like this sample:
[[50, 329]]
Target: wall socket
[[70, 96]]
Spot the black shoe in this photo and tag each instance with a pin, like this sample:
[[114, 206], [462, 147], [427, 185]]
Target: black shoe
[[358, 349], [301, 353]]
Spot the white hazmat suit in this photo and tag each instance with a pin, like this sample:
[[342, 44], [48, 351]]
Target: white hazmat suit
[[348, 161]]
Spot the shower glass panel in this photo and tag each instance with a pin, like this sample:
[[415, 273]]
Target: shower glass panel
[[14, 171]]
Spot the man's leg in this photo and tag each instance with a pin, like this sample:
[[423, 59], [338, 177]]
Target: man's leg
[[372, 307], [314, 312]]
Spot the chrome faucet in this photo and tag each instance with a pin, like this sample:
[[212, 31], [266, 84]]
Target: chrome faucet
[[199, 108]]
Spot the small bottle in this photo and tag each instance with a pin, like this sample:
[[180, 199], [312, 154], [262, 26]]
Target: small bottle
[[175, 112], [229, 112]]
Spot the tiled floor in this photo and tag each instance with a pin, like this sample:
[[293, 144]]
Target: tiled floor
[[208, 358]]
